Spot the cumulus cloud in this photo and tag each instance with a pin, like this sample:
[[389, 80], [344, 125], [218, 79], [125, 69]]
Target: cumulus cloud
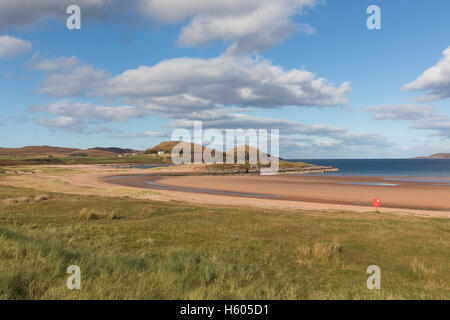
[[24, 13], [315, 148], [330, 135], [82, 117], [435, 80], [440, 125], [67, 77], [62, 123], [87, 110], [78, 116], [146, 134], [189, 84], [401, 112], [182, 89], [248, 25], [11, 47], [422, 117]]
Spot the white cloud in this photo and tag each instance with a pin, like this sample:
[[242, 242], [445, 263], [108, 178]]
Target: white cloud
[[401, 112], [189, 84], [329, 135], [248, 25], [67, 77], [422, 117], [312, 148], [79, 116], [61, 64], [435, 80], [306, 28], [85, 118], [25, 13], [62, 123], [86, 110], [181, 89], [146, 134], [11, 47], [440, 125]]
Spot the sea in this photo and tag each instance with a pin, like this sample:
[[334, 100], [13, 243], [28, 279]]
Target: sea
[[435, 168]]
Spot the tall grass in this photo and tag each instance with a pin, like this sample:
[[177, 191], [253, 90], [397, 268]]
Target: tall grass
[[139, 249]]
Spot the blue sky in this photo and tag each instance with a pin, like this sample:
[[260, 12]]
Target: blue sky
[[129, 77]]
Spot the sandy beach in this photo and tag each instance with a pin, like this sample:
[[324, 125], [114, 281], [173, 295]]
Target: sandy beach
[[425, 197], [320, 192]]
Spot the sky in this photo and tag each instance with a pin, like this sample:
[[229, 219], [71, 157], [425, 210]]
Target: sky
[[137, 70]]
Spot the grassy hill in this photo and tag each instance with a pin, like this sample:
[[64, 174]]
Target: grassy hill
[[46, 151], [113, 150], [33, 151], [168, 146], [36, 155]]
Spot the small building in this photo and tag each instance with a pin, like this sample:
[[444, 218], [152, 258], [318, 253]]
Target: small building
[[160, 152]]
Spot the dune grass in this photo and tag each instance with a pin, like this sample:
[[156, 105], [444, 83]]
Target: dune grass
[[140, 249]]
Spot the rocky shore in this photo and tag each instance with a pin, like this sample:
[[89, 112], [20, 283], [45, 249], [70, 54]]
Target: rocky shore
[[256, 170], [228, 169]]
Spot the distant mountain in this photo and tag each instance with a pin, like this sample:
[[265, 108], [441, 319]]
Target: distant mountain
[[45, 151], [114, 150], [436, 156], [30, 151], [164, 147]]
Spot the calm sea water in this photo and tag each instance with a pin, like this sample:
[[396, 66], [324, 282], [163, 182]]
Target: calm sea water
[[387, 167]]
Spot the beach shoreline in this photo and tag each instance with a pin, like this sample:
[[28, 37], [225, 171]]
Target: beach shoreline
[[309, 191], [329, 193]]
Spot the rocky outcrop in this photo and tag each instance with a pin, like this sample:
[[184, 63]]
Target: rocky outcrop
[[255, 170]]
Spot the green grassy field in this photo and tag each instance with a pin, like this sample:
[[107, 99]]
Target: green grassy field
[[139, 249]]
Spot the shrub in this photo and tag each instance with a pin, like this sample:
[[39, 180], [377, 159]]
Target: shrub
[[9, 201], [114, 216], [18, 200], [41, 197], [88, 214], [78, 154], [322, 251], [419, 268]]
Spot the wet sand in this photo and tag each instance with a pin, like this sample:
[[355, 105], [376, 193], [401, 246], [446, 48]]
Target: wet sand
[[420, 193]]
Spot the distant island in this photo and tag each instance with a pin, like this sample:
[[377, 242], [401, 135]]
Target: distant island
[[436, 156]]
